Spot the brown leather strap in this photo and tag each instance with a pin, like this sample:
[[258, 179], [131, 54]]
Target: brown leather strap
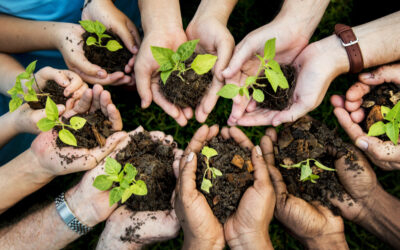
[[350, 43]]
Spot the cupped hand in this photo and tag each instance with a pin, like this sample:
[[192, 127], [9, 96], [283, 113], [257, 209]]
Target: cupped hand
[[385, 155], [244, 63], [248, 226], [147, 77], [311, 223], [215, 39]]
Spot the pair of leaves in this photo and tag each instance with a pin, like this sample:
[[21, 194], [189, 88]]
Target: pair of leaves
[[391, 129], [208, 152], [98, 28], [306, 171], [206, 184], [229, 91]]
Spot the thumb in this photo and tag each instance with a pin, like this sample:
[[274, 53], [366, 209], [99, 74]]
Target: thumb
[[143, 82], [126, 36], [82, 65], [296, 111], [241, 54], [379, 150], [188, 177], [387, 73], [111, 142], [224, 52]]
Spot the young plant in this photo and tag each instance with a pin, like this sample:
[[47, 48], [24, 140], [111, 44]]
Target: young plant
[[214, 172], [98, 28], [171, 61], [272, 72], [51, 120], [18, 95], [125, 178], [391, 129], [306, 171]]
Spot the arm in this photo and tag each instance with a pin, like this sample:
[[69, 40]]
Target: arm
[[9, 69]]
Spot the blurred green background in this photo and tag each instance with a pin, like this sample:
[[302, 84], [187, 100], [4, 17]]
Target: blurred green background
[[247, 16]]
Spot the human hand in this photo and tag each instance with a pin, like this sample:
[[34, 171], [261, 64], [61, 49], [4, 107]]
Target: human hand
[[247, 228], [317, 65], [215, 39], [202, 231], [313, 224], [385, 155]]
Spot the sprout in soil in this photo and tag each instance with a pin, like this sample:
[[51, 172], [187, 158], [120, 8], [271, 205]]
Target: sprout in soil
[[18, 95], [391, 129], [98, 28], [171, 61], [51, 120], [306, 171], [124, 177], [214, 172], [272, 72]]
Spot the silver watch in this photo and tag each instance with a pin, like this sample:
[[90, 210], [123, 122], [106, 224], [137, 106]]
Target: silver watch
[[68, 217]]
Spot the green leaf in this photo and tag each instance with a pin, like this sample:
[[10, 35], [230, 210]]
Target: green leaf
[[120, 176], [124, 183], [105, 36], [113, 45], [130, 171], [246, 93], [112, 166], [29, 83], [139, 188], [392, 131], [31, 96], [165, 75], [176, 57], [126, 194], [51, 109], [209, 152], [88, 25], [322, 166], [385, 110], [166, 66], [203, 63], [91, 40], [377, 129], [282, 81], [67, 137], [205, 185], [31, 67], [162, 55], [14, 103], [115, 195], [305, 172], [313, 177], [241, 91], [274, 65], [102, 182], [24, 75], [258, 95], [186, 49], [273, 78], [77, 122], [269, 49], [394, 113], [99, 27], [250, 80], [45, 124], [229, 91], [216, 172]]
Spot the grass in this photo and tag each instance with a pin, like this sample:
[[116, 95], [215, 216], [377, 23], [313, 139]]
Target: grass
[[247, 16]]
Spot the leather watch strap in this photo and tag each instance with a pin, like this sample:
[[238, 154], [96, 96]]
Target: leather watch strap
[[350, 43]]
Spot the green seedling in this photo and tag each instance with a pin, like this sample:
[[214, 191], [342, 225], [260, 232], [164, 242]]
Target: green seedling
[[214, 172], [272, 72], [391, 128], [18, 95], [98, 28], [51, 120], [124, 177], [171, 61], [306, 171]]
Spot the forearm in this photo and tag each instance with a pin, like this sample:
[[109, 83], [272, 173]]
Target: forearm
[[382, 218], [7, 131], [219, 9], [327, 242], [160, 14], [19, 178], [9, 69], [43, 229]]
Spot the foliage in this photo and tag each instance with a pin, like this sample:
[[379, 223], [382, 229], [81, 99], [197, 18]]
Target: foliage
[[171, 61], [51, 120], [124, 177], [214, 172], [272, 72], [18, 95], [306, 171], [391, 129], [98, 28]]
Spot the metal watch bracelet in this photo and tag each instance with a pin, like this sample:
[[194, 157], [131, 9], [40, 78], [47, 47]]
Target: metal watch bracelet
[[68, 217]]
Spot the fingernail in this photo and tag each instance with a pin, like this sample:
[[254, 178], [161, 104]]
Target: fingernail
[[134, 49], [190, 157], [362, 144], [65, 83], [258, 150], [367, 75], [143, 103], [101, 73], [226, 71]]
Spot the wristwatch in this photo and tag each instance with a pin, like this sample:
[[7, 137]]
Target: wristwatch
[[68, 217], [350, 43]]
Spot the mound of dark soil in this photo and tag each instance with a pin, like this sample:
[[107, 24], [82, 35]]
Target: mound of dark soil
[[56, 94]]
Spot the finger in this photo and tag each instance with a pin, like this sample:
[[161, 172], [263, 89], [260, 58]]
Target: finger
[[379, 150], [224, 52], [260, 117], [138, 130], [240, 137], [178, 153], [188, 177], [169, 108], [352, 106], [109, 79], [352, 129], [252, 106], [279, 185], [105, 100], [239, 106], [387, 73], [196, 143], [225, 133], [168, 140], [157, 135], [126, 36], [337, 101], [136, 36], [78, 93], [267, 149], [111, 142], [213, 131], [271, 133], [75, 82], [49, 73], [82, 66], [357, 91], [242, 53], [97, 89], [37, 115], [358, 115], [296, 111], [188, 113], [115, 117], [82, 105], [208, 102], [143, 81], [261, 176]]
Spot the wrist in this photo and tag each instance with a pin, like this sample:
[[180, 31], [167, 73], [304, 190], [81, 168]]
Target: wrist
[[331, 241], [166, 17], [192, 244], [37, 173], [251, 241], [217, 9]]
